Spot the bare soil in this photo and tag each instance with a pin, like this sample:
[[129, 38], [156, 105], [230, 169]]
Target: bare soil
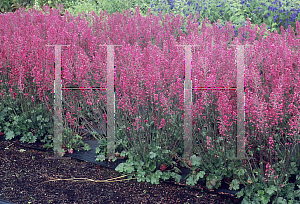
[[25, 175]]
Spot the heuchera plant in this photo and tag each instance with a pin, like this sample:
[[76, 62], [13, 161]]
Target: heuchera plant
[[151, 75]]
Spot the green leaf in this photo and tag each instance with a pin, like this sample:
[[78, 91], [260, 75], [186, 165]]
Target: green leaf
[[39, 117], [270, 19], [234, 184], [128, 168], [152, 167], [87, 147], [232, 18], [120, 167], [9, 135], [241, 172], [268, 4], [281, 200], [274, 25], [192, 180], [155, 178], [200, 174], [16, 117], [196, 161], [140, 178], [261, 192], [102, 158], [165, 176], [97, 150], [165, 151], [148, 179], [297, 192], [271, 190], [264, 199], [140, 163], [293, 167], [123, 154], [176, 177], [152, 155], [240, 193]]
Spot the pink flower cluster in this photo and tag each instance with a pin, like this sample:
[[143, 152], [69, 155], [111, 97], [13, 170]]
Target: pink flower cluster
[[270, 68], [269, 172]]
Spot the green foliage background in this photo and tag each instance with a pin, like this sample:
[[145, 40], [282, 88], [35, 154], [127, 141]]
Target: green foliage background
[[236, 11]]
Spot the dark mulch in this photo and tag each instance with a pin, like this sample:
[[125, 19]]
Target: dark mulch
[[24, 176]]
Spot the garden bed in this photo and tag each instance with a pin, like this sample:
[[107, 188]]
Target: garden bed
[[25, 175], [25, 172]]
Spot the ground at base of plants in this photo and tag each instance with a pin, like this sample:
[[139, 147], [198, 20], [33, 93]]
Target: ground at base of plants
[[23, 176]]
